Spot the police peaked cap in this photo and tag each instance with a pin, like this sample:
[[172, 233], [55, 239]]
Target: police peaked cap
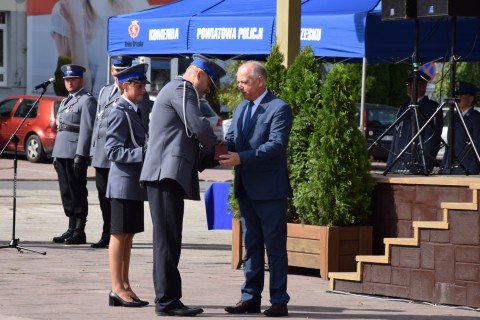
[[462, 87], [136, 73], [72, 71], [120, 62], [214, 71]]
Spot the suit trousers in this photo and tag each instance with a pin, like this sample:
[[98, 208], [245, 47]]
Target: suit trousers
[[166, 202], [73, 190], [101, 180], [264, 226]]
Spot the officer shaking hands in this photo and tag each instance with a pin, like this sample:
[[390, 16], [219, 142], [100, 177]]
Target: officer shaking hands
[[71, 152]]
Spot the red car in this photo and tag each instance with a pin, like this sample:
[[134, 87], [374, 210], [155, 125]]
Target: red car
[[37, 134]]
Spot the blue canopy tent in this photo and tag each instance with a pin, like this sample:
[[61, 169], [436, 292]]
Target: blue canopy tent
[[340, 30], [159, 31], [337, 30]]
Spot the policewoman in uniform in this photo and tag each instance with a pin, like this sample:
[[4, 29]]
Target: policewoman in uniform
[[71, 152], [125, 148], [108, 95], [170, 173]]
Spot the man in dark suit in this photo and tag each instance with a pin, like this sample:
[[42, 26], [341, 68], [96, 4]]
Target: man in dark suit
[[106, 98], [71, 152], [402, 133], [464, 160], [170, 173], [257, 143]]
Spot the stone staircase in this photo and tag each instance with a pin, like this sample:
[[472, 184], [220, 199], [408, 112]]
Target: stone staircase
[[347, 279]]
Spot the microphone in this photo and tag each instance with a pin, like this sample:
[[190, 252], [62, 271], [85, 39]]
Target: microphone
[[45, 84]]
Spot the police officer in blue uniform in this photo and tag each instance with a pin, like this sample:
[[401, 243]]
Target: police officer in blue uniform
[[108, 95], [402, 133], [71, 152], [125, 147], [465, 160]]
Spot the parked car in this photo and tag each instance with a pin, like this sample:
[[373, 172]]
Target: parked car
[[38, 132], [213, 118], [376, 119]]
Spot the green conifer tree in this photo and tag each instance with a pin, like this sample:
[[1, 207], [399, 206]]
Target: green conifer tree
[[338, 183]]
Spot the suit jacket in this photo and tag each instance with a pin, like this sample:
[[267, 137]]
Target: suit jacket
[[105, 104], [463, 152], [263, 170], [78, 112], [402, 135], [126, 158], [172, 152]]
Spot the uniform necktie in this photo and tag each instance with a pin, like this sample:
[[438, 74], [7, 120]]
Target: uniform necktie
[[139, 112], [70, 96], [248, 116], [113, 92]]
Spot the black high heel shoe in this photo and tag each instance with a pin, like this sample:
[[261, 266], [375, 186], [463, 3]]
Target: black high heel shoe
[[142, 302], [116, 301]]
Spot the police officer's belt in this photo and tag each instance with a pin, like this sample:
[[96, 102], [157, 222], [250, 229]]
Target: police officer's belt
[[69, 128]]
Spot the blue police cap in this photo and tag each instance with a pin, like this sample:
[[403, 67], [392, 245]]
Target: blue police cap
[[72, 71], [462, 87], [120, 62], [213, 70], [421, 76], [136, 73]]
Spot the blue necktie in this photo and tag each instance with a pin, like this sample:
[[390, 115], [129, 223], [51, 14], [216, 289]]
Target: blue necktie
[[247, 117]]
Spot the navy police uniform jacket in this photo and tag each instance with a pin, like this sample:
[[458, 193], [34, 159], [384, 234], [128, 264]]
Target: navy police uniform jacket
[[464, 152], [75, 120], [124, 148], [402, 134]]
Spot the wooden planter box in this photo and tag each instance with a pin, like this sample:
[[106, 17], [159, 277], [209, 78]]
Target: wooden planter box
[[329, 249]]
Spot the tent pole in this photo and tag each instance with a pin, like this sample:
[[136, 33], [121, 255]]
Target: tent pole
[[362, 94]]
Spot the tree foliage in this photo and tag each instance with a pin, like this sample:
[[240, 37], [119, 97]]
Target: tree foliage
[[337, 187], [228, 93], [465, 71], [302, 92], [276, 71]]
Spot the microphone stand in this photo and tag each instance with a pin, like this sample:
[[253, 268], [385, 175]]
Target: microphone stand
[[14, 243]]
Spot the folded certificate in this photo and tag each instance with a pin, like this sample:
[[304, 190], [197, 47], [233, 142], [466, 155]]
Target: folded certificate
[[219, 150]]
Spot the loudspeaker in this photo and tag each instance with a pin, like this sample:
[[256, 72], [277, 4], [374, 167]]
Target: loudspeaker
[[399, 9], [448, 8]]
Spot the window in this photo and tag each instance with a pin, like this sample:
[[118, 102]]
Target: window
[[6, 108], [23, 109], [3, 49]]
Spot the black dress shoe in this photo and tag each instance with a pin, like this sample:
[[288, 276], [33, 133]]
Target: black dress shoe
[[276, 310], [102, 243], [77, 238], [65, 235], [182, 311], [116, 301], [249, 306]]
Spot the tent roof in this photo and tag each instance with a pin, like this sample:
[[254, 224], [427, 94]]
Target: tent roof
[[336, 30]]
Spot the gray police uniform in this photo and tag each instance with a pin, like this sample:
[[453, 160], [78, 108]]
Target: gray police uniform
[[75, 120], [108, 95], [124, 147]]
